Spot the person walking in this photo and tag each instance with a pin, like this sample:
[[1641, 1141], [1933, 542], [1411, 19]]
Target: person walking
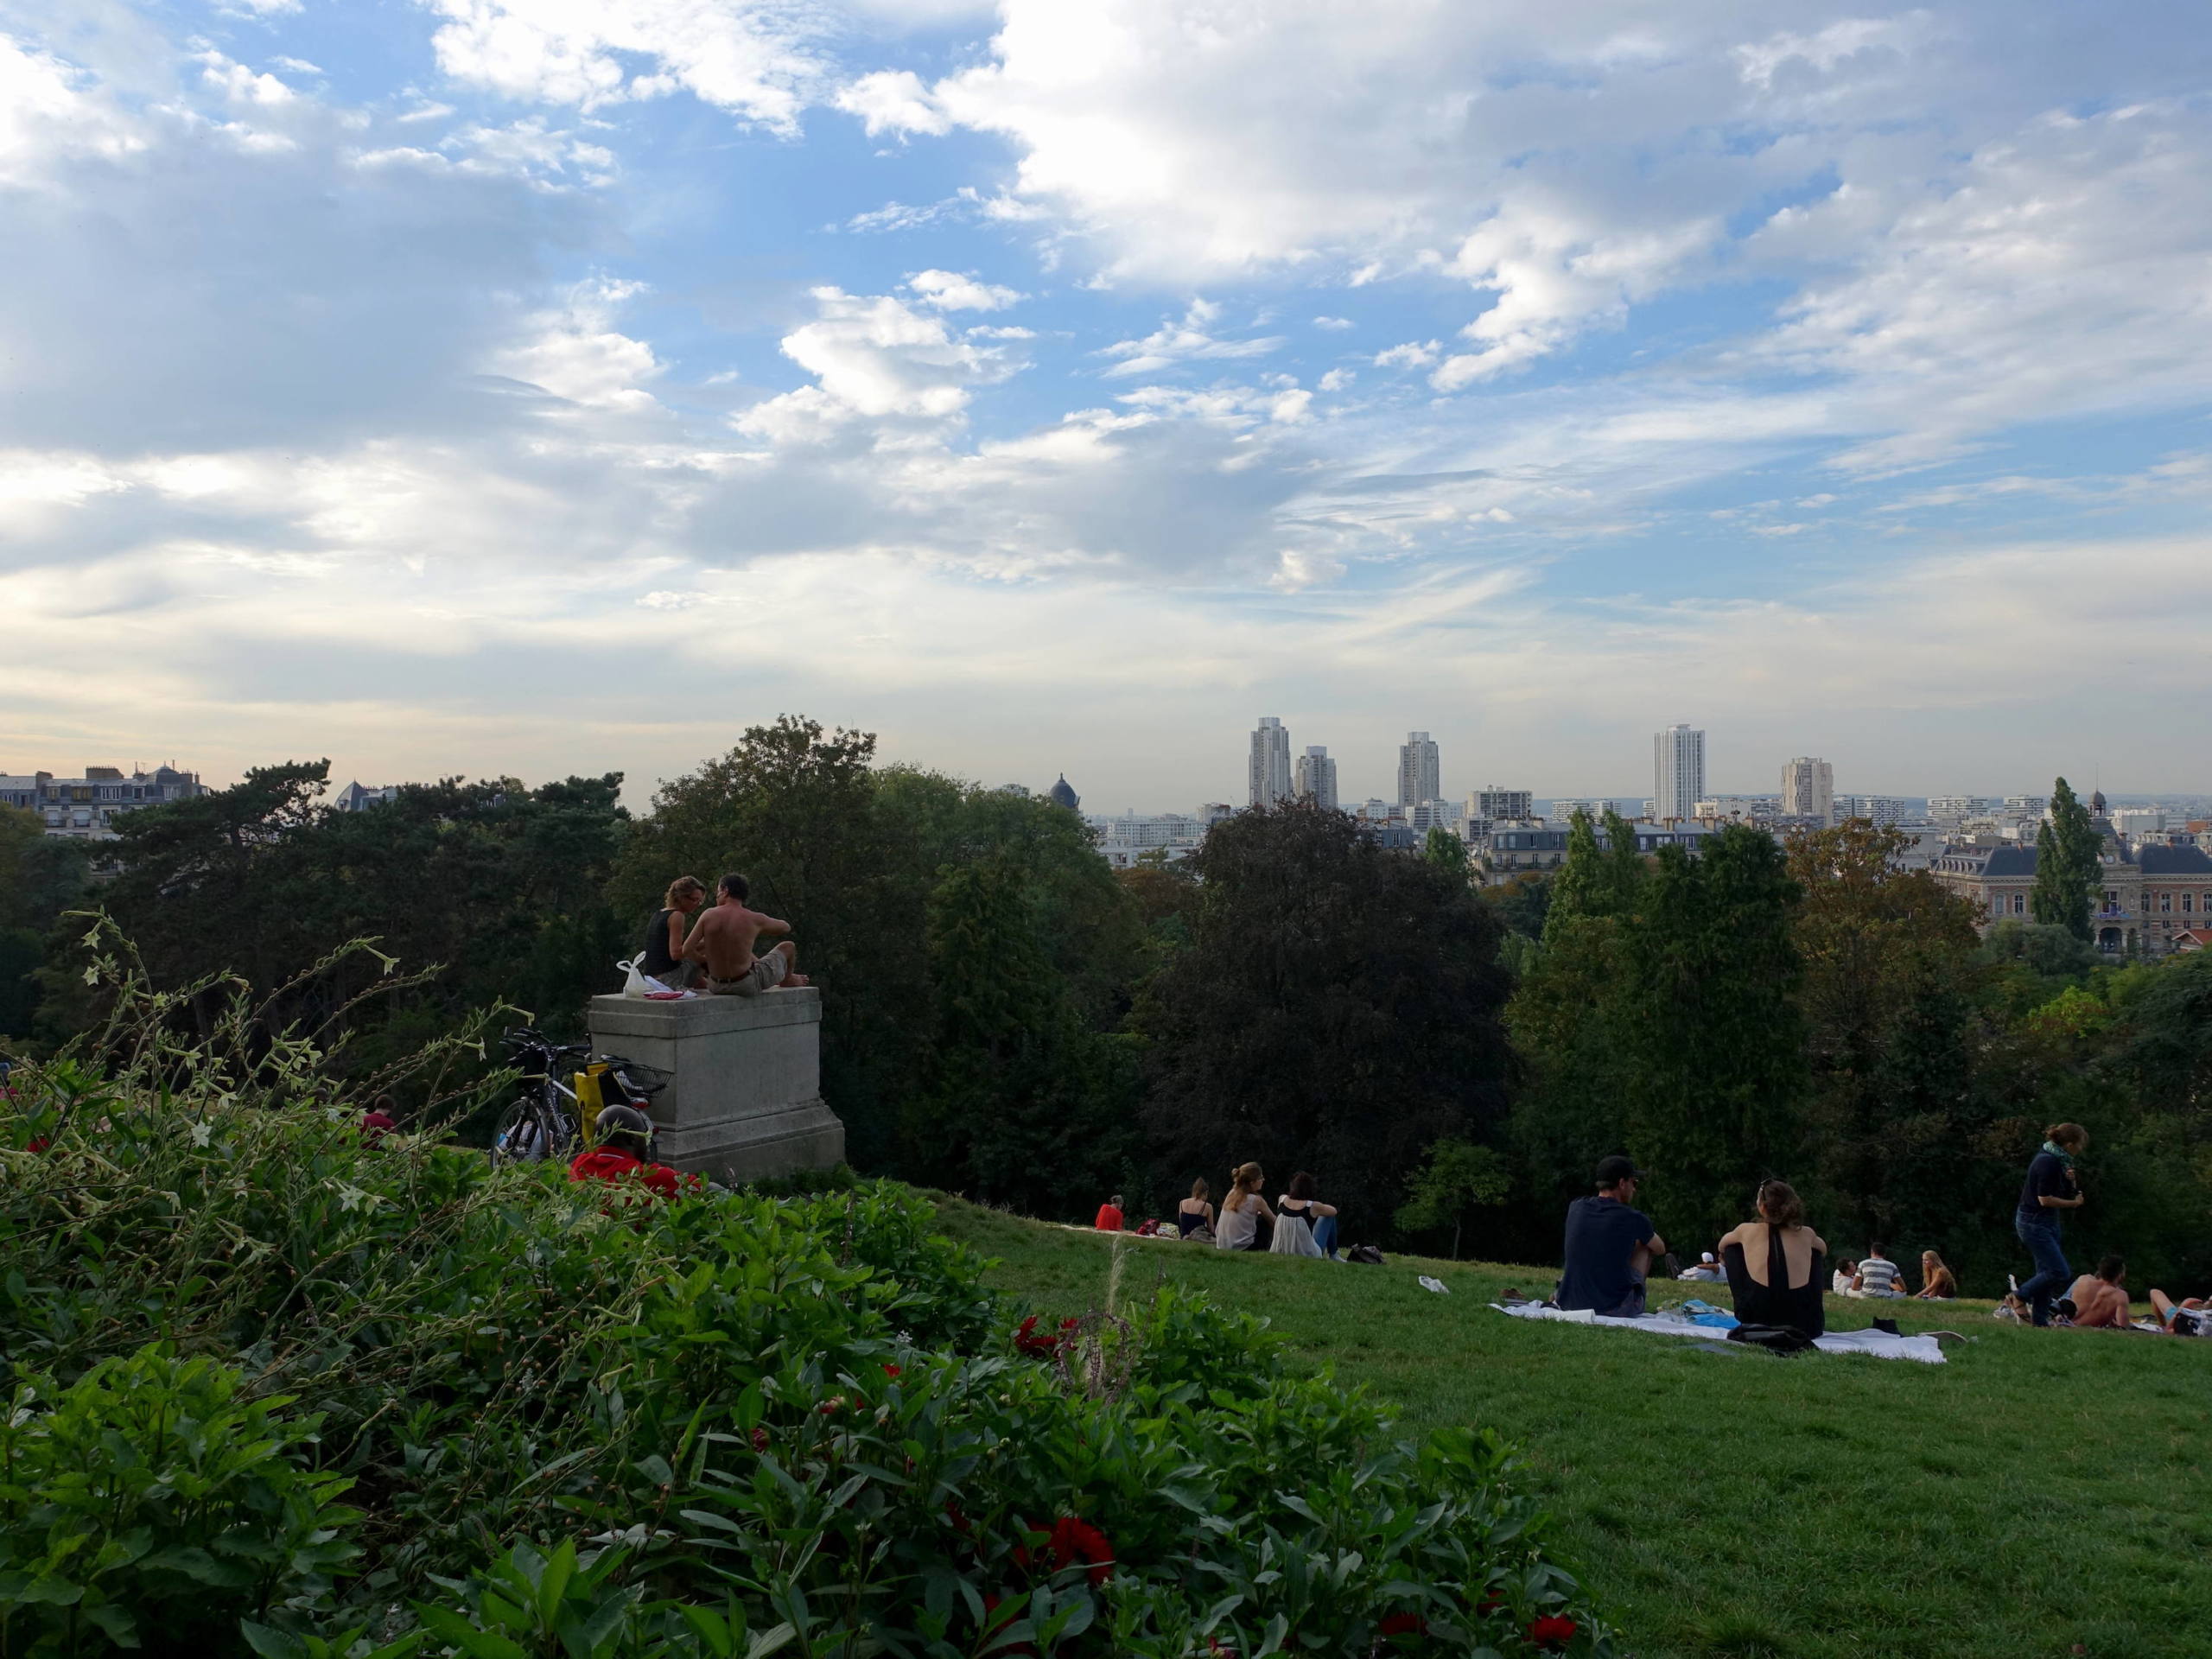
[[2053, 1186]]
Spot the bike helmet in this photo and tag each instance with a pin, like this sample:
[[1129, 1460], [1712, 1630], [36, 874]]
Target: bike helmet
[[627, 1129]]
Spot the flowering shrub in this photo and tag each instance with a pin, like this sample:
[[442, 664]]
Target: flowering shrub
[[722, 1426]]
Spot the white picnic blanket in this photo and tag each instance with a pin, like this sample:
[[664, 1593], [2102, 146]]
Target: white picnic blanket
[[1880, 1343]]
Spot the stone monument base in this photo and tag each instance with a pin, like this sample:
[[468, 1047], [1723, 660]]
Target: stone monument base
[[744, 1100]]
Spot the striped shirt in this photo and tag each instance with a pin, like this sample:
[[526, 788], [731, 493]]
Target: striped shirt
[[1878, 1277]]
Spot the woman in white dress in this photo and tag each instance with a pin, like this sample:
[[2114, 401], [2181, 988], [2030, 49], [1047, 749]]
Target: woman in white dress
[[1241, 1212]]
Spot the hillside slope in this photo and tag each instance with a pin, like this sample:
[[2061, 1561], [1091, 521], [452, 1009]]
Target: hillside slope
[[2042, 1493]]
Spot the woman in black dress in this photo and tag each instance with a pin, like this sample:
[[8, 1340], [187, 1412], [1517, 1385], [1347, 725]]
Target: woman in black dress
[[664, 941], [1775, 1265]]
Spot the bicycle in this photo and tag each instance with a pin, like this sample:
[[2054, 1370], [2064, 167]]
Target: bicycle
[[546, 1120]]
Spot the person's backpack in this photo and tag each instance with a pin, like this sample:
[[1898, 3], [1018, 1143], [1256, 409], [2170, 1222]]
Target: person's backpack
[[1366, 1254], [1775, 1339]]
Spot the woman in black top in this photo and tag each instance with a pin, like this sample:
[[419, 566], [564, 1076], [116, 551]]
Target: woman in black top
[[664, 941], [1775, 1265]]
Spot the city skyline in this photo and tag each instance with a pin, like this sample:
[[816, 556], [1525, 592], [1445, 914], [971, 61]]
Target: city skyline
[[506, 387]]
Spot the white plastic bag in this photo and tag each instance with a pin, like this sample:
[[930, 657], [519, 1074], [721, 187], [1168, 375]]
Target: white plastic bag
[[634, 983]]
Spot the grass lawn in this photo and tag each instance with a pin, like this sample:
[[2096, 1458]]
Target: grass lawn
[[2045, 1492]]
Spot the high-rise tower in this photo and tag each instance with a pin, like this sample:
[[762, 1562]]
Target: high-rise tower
[[1270, 769], [1420, 774], [1808, 790], [1317, 778], [1677, 773]]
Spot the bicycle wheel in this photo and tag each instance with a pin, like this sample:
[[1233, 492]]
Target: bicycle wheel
[[528, 1132]]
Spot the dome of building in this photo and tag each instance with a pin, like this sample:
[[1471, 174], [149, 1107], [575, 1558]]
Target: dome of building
[[1061, 795]]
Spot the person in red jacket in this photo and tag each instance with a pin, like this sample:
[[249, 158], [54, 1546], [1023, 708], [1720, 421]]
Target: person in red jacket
[[1109, 1215], [625, 1138]]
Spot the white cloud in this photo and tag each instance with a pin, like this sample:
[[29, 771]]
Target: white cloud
[[758, 61], [952, 291], [876, 356], [1414, 354], [892, 100], [1174, 342], [1334, 323], [1336, 379], [576, 354]]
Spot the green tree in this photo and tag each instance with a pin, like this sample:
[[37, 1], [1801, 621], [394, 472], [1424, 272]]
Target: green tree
[[2067, 864], [852, 855], [1888, 993], [40, 876], [1446, 850], [1337, 1009], [1713, 1043], [1458, 1175], [1020, 1103], [1569, 1014], [495, 885]]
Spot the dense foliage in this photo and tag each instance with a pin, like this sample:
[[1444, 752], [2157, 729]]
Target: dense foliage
[[492, 890], [565, 1421], [1337, 1007], [1007, 1017], [1830, 1016]]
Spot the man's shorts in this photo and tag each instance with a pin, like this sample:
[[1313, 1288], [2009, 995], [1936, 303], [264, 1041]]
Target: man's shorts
[[765, 973], [1631, 1308]]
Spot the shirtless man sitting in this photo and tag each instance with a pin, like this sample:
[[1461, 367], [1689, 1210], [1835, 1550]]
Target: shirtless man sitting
[[721, 942]]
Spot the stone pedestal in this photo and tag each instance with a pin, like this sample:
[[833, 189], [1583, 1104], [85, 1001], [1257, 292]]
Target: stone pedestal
[[744, 1101]]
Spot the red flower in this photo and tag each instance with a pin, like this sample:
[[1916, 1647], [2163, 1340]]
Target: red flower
[[891, 1370], [1077, 1541], [1404, 1624], [1552, 1631], [833, 1405], [953, 1513], [759, 1439], [1029, 1341]]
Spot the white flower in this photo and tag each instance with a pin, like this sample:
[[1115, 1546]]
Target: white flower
[[203, 1133]]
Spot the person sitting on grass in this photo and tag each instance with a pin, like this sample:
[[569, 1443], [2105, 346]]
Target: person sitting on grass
[[1936, 1283], [1299, 1215], [1243, 1210], [2190, 1317], [2099, 1303], [1195, 1214], [1846, 1272], [1775, 1264], [1609, 1246], [1878, 1275], [1109, 1215], [625, 1138]]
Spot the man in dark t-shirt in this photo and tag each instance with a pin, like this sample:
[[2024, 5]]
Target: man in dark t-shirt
[[1609, 1246]]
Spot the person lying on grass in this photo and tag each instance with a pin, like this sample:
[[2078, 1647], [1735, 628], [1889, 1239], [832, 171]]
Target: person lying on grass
[[1609, 1246], [625, 1138], [2190, 1317], [2099, 1301], [1775, 1263], [1936, 1283]]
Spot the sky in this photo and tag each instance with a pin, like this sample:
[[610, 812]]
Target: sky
[[533, 387]]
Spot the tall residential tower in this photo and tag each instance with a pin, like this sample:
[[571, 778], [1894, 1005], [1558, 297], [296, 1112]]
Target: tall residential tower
[[1420, 774], [1809, 790], [1270, 770], [1677, 773], [1317, 778]]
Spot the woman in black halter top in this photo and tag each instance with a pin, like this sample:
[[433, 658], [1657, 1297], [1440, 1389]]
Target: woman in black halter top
[[1783, 1291]]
